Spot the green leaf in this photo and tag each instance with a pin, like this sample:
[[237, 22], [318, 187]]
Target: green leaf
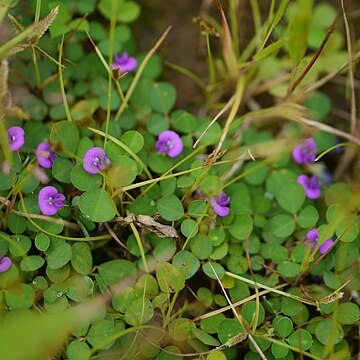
[[164, 250], [241, 227], [214, 270], [289, 269], [78, 350], [256, 171], [204, 337], [42, 241], [129, 11], [79, 287], [219, 252], [170, 278], [298, 30], [228, 330], [100, 335], [66, 135], [162, 97], [278, 350], [20, 297], [329, 332], [134, 140], [123, 299], [61, 170], [283, 325], [147, 286], [211, 324], [300, 339], [84, 181], [187, 263], [16, 223], [189, 228], [139, 312], [319, 105], [347, 229], [116, 270], [97, 205], [183, 121], [81, 259], [122, 172], [282, 225], [20, 245], [308, 217], [31, 263], [201, 246], [170, 208], [211, 185], [348, 313], [290, 196], [58, 275], [249, 312], [59, 256]]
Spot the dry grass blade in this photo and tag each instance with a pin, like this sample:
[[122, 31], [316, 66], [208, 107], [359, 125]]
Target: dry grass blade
[[228, 51], [351, 70], [314, 58], [239, 318], [140, 71], [238, 303], [329, 129], [318, 84], [213, 121], [238, 96]]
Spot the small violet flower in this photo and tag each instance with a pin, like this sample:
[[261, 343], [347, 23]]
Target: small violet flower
[[220, 204], [125, 62], [312, 237], [311, 186], [95, 160], [304, 153], [170, 142], [50, 200], [45, 156], [16, 136], [5, 263]]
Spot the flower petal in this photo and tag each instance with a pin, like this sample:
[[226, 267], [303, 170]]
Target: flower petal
[[5, 264], [43, 200], [326, 246]]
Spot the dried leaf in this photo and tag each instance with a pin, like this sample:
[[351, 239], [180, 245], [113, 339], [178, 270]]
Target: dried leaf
[[148, 223], [228, 51]]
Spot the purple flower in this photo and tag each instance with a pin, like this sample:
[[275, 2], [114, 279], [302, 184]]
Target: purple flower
[[312, 237], [5, 264], [220, 204], [16, 136], [50, 200], [326, 246], [125, 62], [311, 186], [95, 160], [304, 153], [170, 142], [45, 156]]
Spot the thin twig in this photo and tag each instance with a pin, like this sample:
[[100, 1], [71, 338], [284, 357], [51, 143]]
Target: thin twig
[[351, 71], [114, 236], [315, 57], [217, 116]]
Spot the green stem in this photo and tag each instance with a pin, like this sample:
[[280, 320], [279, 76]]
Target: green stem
[[61, 82]]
